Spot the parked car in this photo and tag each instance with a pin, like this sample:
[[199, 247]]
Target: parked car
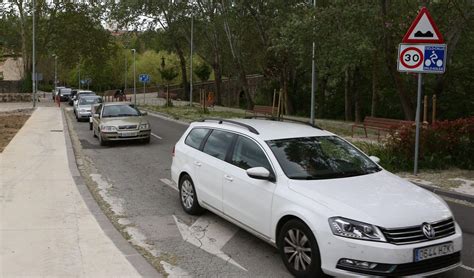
[[78, 95], [84, 106], [64, 94], [119, 121], [328, 207]]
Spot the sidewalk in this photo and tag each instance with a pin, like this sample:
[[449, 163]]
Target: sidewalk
[[46, 227]]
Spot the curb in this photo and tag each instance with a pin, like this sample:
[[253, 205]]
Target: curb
[[136, 259], [447, 193]]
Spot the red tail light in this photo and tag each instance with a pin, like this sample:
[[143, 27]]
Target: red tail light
[[172, 152]]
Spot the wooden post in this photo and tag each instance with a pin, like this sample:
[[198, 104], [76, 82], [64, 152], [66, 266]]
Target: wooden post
[[425, 110], [279, 104], [273, 104], [167, 95], [433, 116]]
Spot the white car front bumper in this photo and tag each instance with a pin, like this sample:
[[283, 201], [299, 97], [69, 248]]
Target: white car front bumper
[[392, 260]]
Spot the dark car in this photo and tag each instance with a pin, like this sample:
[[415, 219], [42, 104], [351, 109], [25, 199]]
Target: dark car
[[64, 94]]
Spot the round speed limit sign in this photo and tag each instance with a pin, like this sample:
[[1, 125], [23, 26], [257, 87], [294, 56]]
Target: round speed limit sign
[[411, 57]]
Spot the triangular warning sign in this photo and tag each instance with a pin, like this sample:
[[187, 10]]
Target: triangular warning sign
[[423, 30]]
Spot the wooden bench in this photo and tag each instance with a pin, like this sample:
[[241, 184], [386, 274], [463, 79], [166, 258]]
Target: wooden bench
[[380, 125], [261, 109]]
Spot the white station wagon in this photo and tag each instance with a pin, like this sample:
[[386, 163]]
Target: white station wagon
[[328, 207]]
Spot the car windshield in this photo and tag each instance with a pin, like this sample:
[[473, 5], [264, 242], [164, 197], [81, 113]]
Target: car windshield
[[323, 157], [90, 100], [120, 111]]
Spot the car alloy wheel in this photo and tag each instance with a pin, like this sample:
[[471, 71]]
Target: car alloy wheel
[[188, 197], [187, 194], [299, 249]]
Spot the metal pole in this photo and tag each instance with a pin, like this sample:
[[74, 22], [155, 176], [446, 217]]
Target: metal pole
[[79, 77], [144, 93], [55, 72], [34, 77], [191, 64], [134, 77], [418, 108], [313, 78], [126, 71]]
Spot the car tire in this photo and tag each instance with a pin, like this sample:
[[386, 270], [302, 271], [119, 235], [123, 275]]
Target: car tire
[[299, 250], [90, 126], [102, 142], [93, 132], [188, 197], [146, 140]]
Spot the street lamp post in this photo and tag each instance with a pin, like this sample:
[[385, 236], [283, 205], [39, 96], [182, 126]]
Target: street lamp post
[[55, 71], [34, 77], [191, 62], [134, 77], [126, 71], [313, 77]]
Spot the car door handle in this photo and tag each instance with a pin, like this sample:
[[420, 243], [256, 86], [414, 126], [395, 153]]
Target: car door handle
[[229, 178], [197, 163]]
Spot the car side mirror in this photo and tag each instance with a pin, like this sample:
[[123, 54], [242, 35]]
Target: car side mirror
[[259, 173], [144, 113], [96, 116], [374, 159]]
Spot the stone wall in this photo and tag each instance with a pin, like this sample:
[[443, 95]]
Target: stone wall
[[18, 97], [10, 86]]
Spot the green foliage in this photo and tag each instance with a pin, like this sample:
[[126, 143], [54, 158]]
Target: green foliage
[[203, 71], [442, 145]]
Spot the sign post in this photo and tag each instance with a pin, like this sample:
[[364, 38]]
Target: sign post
[[422, 51], [144, 78]]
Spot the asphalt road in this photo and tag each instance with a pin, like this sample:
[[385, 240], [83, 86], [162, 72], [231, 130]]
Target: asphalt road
[[138, 178]]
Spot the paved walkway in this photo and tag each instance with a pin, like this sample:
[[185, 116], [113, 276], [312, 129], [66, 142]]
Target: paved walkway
[[46, 228]]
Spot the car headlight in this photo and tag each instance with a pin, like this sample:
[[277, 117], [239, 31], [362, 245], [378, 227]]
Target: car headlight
[[354, 229], [108, 128], [144, 126]]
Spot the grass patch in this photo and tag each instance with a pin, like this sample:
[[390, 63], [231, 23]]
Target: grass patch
[[190, 114]]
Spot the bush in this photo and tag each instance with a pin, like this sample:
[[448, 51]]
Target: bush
[[443, 144]]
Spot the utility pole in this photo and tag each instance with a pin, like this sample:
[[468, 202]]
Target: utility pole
[[55, 71], [134, 77], [34, 77], [126, 71], [313, 77], [191, 62]]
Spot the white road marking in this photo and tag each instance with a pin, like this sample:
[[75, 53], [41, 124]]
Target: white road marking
[[210, 234], [154, 135], [169, 183], [467, 267]]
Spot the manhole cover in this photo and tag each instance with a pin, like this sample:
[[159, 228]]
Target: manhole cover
[[88, 145], [56, 130]]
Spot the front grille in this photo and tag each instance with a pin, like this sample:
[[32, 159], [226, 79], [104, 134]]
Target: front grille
[[124, 127], [414, 234], [414, 268]]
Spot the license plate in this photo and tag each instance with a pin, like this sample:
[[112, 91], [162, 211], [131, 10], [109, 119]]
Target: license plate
[[433, 251], [128, 134]]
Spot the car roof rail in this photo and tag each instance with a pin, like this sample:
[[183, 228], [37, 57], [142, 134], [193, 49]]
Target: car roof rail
[[221, 121], [282, 119]]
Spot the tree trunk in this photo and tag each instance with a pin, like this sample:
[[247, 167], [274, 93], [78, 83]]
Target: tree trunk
[[321, 95], [347, 95], [356, 95], [390, 55], [216, 66], [375, 96], [184, 77]]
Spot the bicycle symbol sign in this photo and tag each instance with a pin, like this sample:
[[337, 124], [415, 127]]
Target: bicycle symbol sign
[[422, 58], [434, 58]]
